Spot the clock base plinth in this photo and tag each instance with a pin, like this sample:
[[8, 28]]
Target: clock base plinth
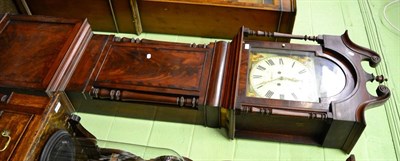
[[279, 128]]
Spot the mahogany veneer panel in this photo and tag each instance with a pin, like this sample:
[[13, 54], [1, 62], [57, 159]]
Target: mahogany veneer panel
[[88, 61], [118, 70], [39, 52], [206, 18], [170, 68], [98, 12], [39, 46], [103, 15], [129, 66], [215, 18]]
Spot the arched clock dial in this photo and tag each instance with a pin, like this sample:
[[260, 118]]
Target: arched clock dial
[[284, 78]]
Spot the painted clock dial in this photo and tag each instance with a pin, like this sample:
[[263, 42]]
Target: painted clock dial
[[292, 76], [282, 77]]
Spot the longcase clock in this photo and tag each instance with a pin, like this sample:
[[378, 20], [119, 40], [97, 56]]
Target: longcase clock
[[311, 94]]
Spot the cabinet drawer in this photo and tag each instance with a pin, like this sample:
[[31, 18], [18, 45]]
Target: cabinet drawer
[[15, 124]]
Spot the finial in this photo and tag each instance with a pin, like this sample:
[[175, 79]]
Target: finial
[[381, 79]]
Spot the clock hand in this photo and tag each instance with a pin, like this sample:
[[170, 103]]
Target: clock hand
[[293, 80], [289, 79], [266, 82], [279, 78]]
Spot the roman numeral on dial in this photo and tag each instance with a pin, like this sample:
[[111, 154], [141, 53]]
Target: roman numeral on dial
[[280, 61], [269, 94], [261, 68], [270, 62]]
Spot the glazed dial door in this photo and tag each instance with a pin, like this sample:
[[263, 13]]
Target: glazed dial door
[[284, 77], [292, 75]]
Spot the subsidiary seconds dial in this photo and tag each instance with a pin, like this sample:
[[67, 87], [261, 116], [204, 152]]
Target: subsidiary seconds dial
[[283, 78]]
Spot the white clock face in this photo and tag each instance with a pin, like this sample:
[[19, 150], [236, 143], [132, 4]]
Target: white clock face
[[284, 78]]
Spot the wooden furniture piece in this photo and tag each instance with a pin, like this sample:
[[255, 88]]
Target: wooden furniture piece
[[216, 18], [310, 94], [44, 128], [111, 16], [38, 56], [38, 53], [36, 61], [27, 122], [145, 71]]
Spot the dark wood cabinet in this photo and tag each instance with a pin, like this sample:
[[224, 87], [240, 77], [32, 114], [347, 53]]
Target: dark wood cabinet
[[12, 127], [216, 18], [27, 122], [103, 15], [38, 53], [37, 59]]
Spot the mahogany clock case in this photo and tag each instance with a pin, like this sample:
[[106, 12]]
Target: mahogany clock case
[[29, 43], [336, 121], [164, 81], [190, 83]]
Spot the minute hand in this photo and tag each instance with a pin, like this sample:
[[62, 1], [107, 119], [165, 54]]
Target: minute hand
[[289, 79], [279, 78]]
